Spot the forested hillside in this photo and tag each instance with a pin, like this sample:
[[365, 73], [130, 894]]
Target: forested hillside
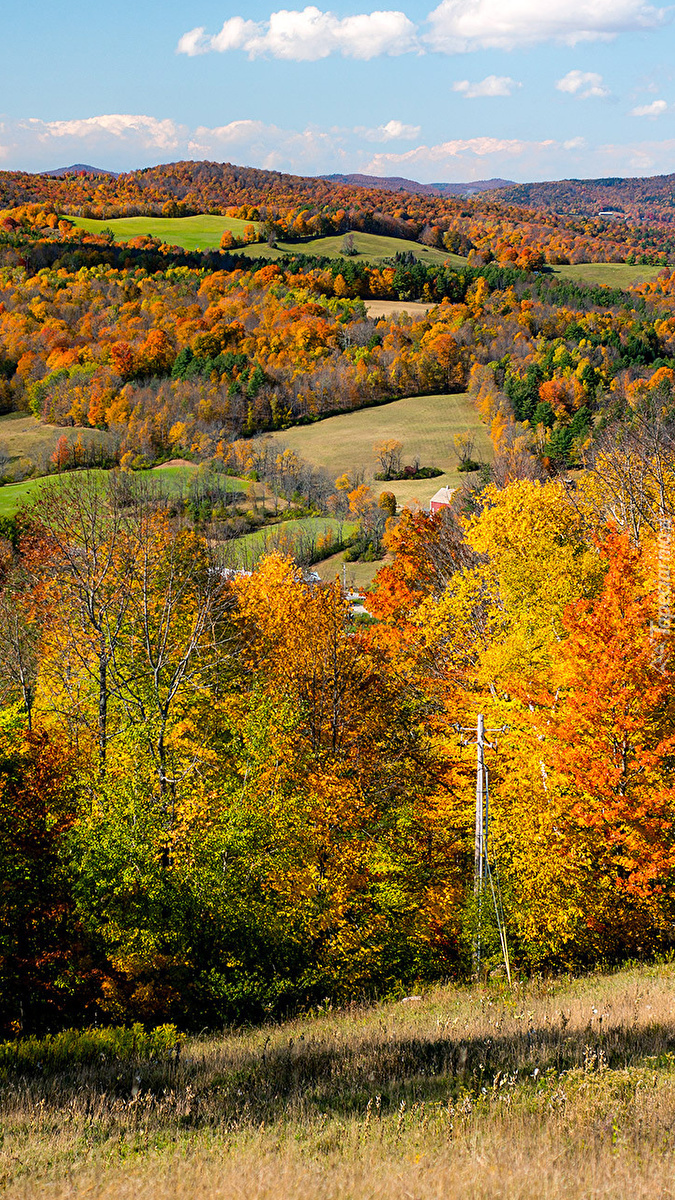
[[174, 352], [639, 199], [224, 795], [298, 207]]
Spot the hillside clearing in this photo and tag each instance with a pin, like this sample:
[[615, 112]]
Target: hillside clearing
[[24, 437], [372, 247], [169, 480], [426, 425], [202, 232], [561, 1090], [616, 275], [387, 308]]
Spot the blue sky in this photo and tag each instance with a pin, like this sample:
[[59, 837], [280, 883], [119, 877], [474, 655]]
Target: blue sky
[[459, 90]]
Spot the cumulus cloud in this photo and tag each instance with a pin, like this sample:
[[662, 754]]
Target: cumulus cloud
[[655, 109], [393, 131], [444, 153], [308, 35], [584, 84], [270, 146], [148, 132], [124, 141], [458, 26], [492, 85]]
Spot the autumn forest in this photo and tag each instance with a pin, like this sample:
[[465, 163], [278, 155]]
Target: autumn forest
[[226, 796]]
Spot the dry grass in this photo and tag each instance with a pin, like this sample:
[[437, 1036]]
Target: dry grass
[[560, 1091], [23, 436], [387, 308], [425, 424], [615, 275], [357, 574]]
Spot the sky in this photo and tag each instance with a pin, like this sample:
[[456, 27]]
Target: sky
[[459, 91]]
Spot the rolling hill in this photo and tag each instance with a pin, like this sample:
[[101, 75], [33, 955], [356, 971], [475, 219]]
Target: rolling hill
[[396, 183]]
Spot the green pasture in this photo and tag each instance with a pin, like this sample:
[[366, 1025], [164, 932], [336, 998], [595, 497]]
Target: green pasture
[[192, 233], [14, 495], [170, 480], [616, 275], [205, 231], [282, 536], [426, 425], [371, 247]]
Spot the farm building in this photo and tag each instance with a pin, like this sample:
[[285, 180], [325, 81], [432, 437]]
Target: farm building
[[441, 499]]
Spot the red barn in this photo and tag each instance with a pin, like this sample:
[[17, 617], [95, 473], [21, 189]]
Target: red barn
[[441, 499]]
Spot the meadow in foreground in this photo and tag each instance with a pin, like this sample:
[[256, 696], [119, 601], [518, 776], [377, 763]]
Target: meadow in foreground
[[557, 1089]]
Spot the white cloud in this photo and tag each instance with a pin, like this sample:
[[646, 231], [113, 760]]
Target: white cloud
[[269, 146], [391, 132], [655, 109], [458, 26], [444, 154], [584, 84], [308, 35], [125, 141], [147, 132], [492, 85]]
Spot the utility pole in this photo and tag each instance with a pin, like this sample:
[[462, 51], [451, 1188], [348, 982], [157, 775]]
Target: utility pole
[[480, 835], [482, 829]]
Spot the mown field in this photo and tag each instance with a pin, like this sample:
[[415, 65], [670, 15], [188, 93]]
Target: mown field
[[426, 425], [370, 246], [556, 1090], [618, 275], [202, 232], [169, 480]]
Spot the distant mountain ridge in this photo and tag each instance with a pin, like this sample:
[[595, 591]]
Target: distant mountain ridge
[[80, 169], [641, 197], [397, 183]]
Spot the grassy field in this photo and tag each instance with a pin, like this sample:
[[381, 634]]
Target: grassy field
[[283, 536], [370, 246], [358, 575], [558, 1090], [26, 440], [618, 275], [204, 233], [13, 495], [425, 424], [192, 233], [386, 308], [171, 480]]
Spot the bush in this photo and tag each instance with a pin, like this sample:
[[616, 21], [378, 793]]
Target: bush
[[411, 472], [56, 1051]]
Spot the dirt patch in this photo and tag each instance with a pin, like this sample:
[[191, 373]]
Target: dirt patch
[[386, 308], [173, 462]]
